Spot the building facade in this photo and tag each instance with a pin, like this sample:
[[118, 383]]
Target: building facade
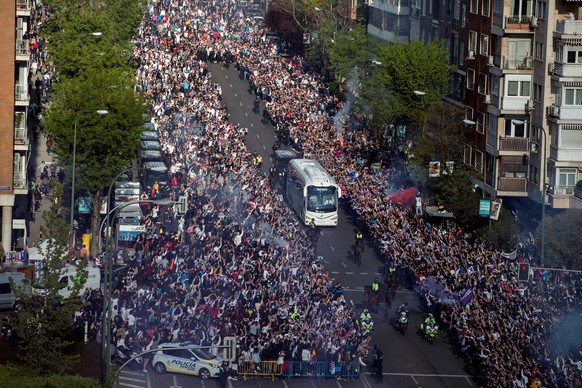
[[519, 78], [14, 147]]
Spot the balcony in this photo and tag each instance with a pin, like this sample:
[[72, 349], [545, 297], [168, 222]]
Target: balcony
[[20, 132], [22, 50], [22, 7], [19, 181], [517, 186], [21, 94], [567, 27], [518, 23], [514, 144], [515, 104], [517, 62], [568, 69]]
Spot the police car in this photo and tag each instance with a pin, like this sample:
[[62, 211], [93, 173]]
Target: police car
[[197, 362]]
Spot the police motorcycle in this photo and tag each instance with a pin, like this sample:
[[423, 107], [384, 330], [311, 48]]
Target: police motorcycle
[[122, 353], [430, 329], [402, 318]]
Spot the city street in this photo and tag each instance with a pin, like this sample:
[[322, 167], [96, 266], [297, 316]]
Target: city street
[[409, 360]]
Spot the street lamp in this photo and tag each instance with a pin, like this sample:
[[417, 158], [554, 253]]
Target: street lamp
[[543, 166], [106, 320], [101, 112]]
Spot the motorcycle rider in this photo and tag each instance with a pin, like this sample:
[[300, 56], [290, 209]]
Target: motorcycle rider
[[359, 238], [428, 322], [402, 308], [365, 316]]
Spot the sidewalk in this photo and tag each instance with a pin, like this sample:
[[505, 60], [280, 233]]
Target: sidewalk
[[38, 155]]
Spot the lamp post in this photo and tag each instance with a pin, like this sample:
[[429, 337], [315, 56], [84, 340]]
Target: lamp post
[[101, 112], [543, 166], [107, 284]]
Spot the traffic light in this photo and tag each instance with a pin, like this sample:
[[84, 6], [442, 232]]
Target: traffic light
[[523, 275]]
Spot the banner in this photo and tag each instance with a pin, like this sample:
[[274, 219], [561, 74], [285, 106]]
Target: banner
[[467, 296], [484, 207], [495, 209], [434, 169]]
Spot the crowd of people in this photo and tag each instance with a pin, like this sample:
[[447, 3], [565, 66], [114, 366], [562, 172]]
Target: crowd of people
[[238, 263]]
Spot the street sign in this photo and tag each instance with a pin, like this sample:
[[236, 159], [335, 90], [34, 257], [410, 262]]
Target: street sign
[[229, 353], [484, 207]]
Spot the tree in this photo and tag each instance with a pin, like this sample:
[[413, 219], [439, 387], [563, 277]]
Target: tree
[[503, 234], [409, 67], [456, 191], [348, 53], [21, 377], [562, 239], [104, 144], [45, 321]]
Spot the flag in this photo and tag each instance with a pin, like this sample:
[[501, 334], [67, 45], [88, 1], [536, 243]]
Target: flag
[[467, 296], [510, 255]]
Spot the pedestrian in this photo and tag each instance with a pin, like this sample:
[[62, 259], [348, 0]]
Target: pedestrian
[[222, 375], [379, 366]]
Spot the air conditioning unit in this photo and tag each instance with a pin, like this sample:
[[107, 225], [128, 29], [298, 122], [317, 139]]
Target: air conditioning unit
[[471, 54], [551, 67], [488, 99], [534, 147], [534, 21], [553, 110], [529, 105], [491, 60]]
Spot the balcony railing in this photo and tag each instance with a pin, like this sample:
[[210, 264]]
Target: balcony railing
[[568, 27], [568, 69], [519, 144], [564, 190], [22, 47], [23, 5], [19, 180], [517, 22], [21, 92], [517, 62], [512, 184]]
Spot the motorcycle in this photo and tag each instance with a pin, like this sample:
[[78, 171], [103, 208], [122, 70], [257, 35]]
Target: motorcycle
[[122, 354], [430, 332], [402, 321]]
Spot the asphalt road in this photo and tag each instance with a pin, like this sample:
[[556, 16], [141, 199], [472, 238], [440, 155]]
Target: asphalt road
[[409, 361]]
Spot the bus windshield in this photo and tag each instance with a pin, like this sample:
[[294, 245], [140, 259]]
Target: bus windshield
[[321, 199]]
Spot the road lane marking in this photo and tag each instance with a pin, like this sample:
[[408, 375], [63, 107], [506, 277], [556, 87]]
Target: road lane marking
[[252, 125], [231, 85], [425, 375], [226, 75], [413, 379], [124, 378], [236, 95], [264, 148], [270, 158], [148, 380], [175, 383], [363, 273], [258, 137], [349, 273], [332, 248], [344, 264], [285, 384], [246, 114], [135, 386]]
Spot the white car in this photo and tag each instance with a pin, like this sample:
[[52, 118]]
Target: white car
[[197, 362]]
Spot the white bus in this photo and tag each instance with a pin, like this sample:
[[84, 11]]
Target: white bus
[[312, 193]]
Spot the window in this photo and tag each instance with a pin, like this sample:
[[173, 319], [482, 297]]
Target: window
[[474, 6], [515, 130], [479, 161], [542, 7], [484, 45], [513, 167], [539, 53], [470, 79], [518, 88], [472, 42], [574, 57], [463, 15], [573, 96], [566, 181], [482, 86], [485, 8], [481, 124], [467, 154]]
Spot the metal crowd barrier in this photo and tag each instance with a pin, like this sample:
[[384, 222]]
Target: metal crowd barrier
[[263, 368], [291, 369]]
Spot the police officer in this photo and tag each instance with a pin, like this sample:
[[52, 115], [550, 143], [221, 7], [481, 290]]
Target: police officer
[[359, 237], [375, 286], [365, 316]]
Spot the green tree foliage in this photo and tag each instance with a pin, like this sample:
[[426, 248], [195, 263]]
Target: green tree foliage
[[104, 144], [94, 73], [348, 52], [408, 67], [503, 234], [562, 239], [456, 191], [21, 377], [45, 321]]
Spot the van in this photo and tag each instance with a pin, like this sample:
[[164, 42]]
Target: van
[[8, 298], [67, 279]]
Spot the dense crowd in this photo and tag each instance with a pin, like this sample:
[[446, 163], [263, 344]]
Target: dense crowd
[[237, 263]]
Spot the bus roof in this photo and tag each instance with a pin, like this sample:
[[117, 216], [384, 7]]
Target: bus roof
[[312, 172]]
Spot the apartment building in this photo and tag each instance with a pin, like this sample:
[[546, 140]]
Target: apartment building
[[519, 78], [14, 147]]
